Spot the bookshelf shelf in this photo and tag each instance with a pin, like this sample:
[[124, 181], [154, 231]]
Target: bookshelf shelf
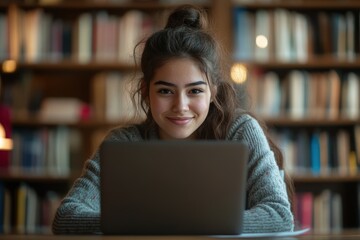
[[21, 176], [325, 178], [299, 4], [76, 66], [34, 122], [320, 63], [140, 5], [311, 122], [314, 63]]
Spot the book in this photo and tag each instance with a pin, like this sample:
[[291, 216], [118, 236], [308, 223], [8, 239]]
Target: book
[[15, 40], [263, 35], [284, 50], [334, 95], [300, 37], [4, 53], [297, 94], [270, 106], [21, 197], [324, 152], [32, 34], [84, 28], [7, 217], [315, 153], [305, 201], [6, 143], [357, 143], [32, 212], [63, 109], [350, 96], [343, 149], [243, 34]]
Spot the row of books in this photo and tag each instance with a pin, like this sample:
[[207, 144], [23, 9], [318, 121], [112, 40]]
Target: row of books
[[320, 151], [110, 100], [43, 151], [25, 211], [288, 35], [113, 99], [305, 94], [35, 35], [321, 212]]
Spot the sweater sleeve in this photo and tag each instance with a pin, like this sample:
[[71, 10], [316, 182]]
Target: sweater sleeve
[[268, 207], [79, 211]]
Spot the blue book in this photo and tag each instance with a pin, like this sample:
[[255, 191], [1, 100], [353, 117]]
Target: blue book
[[315, 153], [243, 37]]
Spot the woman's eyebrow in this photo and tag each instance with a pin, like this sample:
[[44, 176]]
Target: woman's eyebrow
[[173, 85]]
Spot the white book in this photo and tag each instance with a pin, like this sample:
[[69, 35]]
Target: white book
[[352, 99], [301, 38], [296, 94], [271, 95], [32, 36], [262, 35], [85, 37], [283, 51], [130, 28]]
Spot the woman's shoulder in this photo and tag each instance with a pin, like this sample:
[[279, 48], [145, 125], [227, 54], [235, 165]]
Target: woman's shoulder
[[243, 118], [243, 123]]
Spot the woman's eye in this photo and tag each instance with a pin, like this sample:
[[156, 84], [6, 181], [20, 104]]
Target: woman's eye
[[196, 91], [164, 91]]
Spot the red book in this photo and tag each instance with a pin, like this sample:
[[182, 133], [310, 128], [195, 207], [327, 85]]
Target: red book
[[5, 133], [307, 210]]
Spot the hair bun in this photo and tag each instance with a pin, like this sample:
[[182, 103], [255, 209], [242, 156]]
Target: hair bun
[[188, 16]]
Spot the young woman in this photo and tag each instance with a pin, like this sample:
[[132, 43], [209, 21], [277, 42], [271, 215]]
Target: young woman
[[186, 95]]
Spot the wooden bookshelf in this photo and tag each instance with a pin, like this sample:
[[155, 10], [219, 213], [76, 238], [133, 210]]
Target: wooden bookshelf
[[326, 184]]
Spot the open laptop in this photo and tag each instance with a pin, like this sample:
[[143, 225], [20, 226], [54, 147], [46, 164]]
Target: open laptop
[[173, 187]]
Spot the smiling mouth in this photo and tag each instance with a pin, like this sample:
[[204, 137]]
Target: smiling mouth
[[180, 120]]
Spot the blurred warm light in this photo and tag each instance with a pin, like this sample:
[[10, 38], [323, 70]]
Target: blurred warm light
[[261, 41], [5, 143], [9, 66], [238, 73]]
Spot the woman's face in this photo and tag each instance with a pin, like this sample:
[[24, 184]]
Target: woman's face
[[179, 99]]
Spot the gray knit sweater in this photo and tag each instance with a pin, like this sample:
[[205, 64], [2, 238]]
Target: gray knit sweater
[[268, 208]]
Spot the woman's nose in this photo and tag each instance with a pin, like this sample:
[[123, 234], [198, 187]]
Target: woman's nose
[[181, 103]]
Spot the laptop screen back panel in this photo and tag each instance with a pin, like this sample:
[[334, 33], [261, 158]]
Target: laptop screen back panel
[[173, 188]]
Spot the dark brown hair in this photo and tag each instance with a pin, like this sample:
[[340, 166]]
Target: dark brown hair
[[186, 35]]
